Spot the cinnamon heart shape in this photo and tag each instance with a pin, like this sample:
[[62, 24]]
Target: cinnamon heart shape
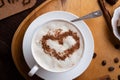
[[58, 36]]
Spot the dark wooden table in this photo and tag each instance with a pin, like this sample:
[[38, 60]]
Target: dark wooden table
[[8, 26]]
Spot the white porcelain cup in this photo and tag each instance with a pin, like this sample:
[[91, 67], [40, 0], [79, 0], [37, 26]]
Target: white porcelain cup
[[56, 54]]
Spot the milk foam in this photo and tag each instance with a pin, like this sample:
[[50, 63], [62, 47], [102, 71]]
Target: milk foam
[[48, 62]]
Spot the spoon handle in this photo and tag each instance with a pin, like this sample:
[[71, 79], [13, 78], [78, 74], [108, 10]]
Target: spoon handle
[[90, 15]]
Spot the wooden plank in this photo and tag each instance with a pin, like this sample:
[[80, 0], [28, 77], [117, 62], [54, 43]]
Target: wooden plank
[[11, 7]]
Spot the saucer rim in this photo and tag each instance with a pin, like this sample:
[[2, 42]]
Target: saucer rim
[[91, 50], [116, 16]]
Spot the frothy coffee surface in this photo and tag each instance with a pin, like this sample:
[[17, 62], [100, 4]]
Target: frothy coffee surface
[[57, 46]]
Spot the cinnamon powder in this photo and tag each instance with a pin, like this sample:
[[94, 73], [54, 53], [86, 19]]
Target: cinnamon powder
[[60, 37]]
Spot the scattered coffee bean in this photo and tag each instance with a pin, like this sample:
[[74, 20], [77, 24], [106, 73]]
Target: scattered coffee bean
[[103, 63], [117, 46], [111, 2], [119, 66], [110, 68], [94, 55], [118, 77], [116, 60]]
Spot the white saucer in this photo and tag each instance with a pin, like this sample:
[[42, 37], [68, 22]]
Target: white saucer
[[88, 42], [114, 20]]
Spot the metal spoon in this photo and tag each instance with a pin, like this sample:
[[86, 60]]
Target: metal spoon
[[90, 15]]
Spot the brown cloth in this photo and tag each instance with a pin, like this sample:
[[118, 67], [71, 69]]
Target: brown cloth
[[8, 26]]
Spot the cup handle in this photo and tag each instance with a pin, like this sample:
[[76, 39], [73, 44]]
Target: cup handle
[[33, 70]]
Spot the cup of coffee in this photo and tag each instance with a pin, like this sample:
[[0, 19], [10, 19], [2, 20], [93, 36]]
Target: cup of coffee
[[57, 46]]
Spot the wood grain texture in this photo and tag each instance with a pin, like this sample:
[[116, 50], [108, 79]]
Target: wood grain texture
[[11, 7], [104, 49]]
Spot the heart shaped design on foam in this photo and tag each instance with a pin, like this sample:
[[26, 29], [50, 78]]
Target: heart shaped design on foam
[[60, 37]]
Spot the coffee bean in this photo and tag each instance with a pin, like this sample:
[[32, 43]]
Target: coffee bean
[[110, 68], [103, 62], [111, 2], [117, 46], [119, 66], [116, 60], [118, 77], [94, 55]]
